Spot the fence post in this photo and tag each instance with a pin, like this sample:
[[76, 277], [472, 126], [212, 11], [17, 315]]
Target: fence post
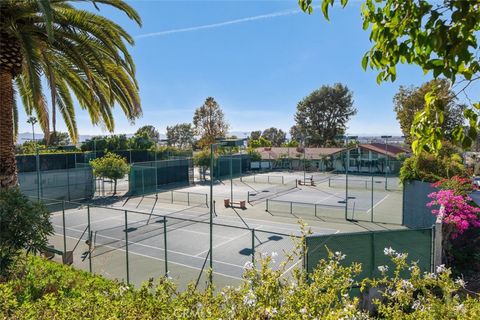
[[315, 210], [89, 240], [372, 246], [64, 231], [266, 205], [253, 246], [438, 239], [68, 184], [165, 244], [126, 246], [371, 204]]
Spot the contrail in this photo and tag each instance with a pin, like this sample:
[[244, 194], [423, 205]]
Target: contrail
[[220, 24]]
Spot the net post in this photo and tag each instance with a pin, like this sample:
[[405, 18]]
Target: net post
[[253, 246], [329, 179], [64, 231], [206, 199], [248, 196], [126, 247], [171, 195], [268, 179], [188, 198], [165, 244], [291, 207], [254, 178], [89, 240], [266, 205], [315, 210], [283, 181]]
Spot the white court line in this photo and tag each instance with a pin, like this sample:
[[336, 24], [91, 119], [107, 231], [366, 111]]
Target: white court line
[[159, 259], [291, 267], [156, 248], [223, 243], [378, 203]]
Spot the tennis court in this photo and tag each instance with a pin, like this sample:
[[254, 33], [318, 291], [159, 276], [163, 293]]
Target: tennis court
[[170, 238]]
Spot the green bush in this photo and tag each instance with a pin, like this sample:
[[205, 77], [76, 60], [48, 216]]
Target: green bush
[[24, 225], [46, 290], [430, 168]]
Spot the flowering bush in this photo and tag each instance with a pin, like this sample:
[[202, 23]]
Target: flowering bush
[[457, 211], [46, 290], [461, 186]]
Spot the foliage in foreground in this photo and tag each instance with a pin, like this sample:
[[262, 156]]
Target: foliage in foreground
[[44, 290], [24, 225]]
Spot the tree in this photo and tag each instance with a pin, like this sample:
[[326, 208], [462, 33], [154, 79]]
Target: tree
[[75, 52], [180, 135], [439, 38], [209, 122], [295, 133], [111, 166], [56, 139], [324, 114], [261, 142], [408, 101], [141, 141], [255, 135], [106, 143], [202, 159], [24, 225], [150, 131], [276, 136]]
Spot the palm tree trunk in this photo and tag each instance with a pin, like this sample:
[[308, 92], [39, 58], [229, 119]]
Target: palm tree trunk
[[8, 166]]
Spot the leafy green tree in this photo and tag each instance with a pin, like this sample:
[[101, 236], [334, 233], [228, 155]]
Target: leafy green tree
[[111, 166], [77, 52], [106, 143], [261, 142], [409, 101], [441, 38], [181, 135], [24, 225], [276, 136], [56, 139], [255, 135], [209, 122], [254, 154], [201, 159], [324, 114], [291, 144], [141, 141], [150, 131]]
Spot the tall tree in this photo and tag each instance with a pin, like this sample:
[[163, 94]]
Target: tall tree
[[276, 136], [209, 122], [439, 37], [75, 52], [180, 135], [324, 114], [255, 135], [150, 131], [408, 101]]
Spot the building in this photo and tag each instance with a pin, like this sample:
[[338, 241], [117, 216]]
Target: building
[[363, 158]]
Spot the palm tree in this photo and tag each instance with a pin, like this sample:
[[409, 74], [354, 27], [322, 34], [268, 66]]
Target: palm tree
[[79, 54]]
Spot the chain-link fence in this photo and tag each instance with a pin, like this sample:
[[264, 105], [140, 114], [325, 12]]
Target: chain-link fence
[[136, 246], [68, 184], [367, 248]]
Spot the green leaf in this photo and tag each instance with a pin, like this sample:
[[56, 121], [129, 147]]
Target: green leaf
[[365, 61], [325, 9]]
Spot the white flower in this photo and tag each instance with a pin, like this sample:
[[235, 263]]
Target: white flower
[[249, 298], [274, 254], [339, 256], [460, 308], [416, 305], [168, 275], [303, 310], [248, 265], [441, 268], [407, 285], [389, 251], [460, 282], [264, 255], [401, 255], [383, 268]]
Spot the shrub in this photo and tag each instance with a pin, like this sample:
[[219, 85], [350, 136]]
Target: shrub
[[45, 290], [24, 225], [111, 166], [430, 168]]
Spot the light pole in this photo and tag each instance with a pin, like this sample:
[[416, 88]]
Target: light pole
[[347, 166], [386, 159], [304, 154], [32, 120], [213, 146]]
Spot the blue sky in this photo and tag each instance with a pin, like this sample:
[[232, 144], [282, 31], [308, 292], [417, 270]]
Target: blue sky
[[257, 70]]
